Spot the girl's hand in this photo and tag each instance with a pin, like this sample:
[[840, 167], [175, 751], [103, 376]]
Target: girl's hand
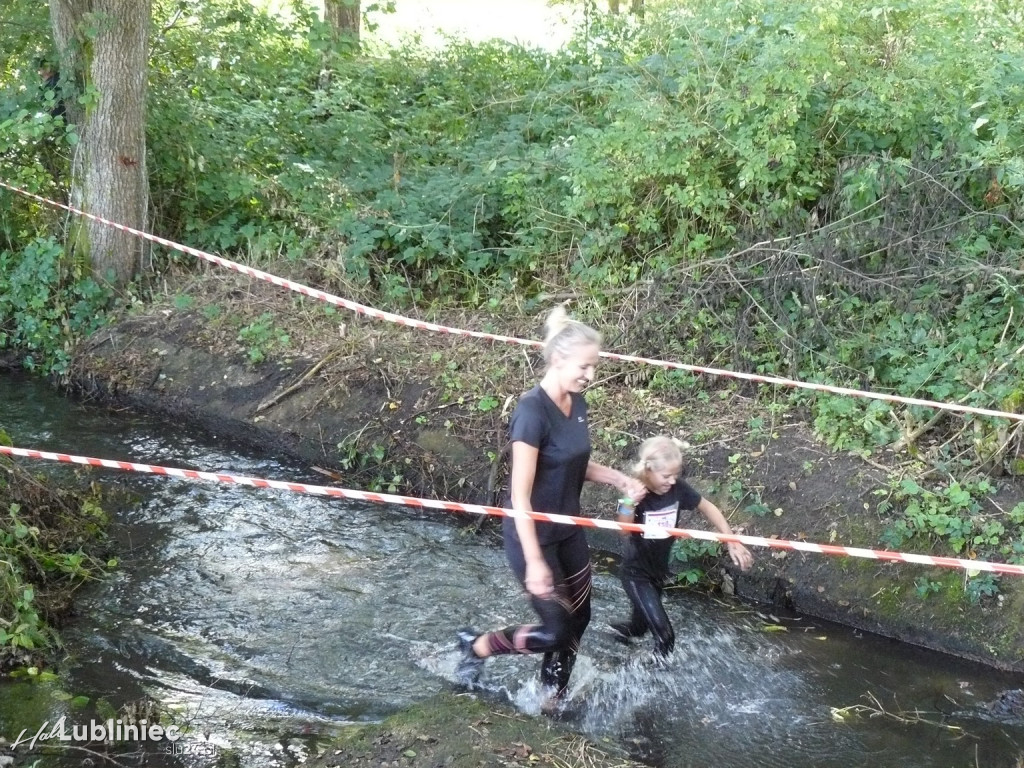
[[740, 555], [633, 488], [538, 578]]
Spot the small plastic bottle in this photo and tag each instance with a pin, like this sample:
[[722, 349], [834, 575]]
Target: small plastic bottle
[[626, 507]]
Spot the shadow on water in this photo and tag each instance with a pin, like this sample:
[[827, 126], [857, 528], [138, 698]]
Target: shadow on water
[[266, 620]]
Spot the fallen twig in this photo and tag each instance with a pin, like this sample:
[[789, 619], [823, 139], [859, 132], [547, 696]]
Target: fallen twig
[[298, 384], [875, 709]]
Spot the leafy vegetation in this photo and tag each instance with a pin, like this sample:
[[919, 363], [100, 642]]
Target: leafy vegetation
[[693, 555], [955, 515], [260, 338], [827, 192], [50, 542], [48, 304]]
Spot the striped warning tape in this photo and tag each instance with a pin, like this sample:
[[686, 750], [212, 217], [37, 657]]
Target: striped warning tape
[[278, 281], [478, 509], [423, 325]]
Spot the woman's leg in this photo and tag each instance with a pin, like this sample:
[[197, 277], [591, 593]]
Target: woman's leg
[[573, 556], [560, 617], [563, 617]]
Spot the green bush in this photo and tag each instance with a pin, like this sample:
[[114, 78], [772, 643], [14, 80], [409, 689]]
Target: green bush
[[632, 152], [953, 515], [45, 307], [828, 192], [50, 542]]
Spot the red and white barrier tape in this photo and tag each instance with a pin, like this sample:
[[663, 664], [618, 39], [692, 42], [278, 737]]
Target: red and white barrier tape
[[478, 509], [420, 324]]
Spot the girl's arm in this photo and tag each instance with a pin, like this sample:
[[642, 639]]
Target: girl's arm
[[740, 555], [524, 470]]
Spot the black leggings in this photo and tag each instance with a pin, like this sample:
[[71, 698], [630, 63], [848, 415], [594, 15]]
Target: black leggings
[[649, 613], [564, 616]]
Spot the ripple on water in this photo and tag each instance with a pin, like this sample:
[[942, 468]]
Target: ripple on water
[[248, 609]]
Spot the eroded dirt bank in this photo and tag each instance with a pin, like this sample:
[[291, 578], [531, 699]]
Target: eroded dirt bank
[[421, 414]]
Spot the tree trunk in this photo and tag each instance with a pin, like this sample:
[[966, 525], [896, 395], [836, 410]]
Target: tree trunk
[[342, 16], [636, 7], [104, 45]]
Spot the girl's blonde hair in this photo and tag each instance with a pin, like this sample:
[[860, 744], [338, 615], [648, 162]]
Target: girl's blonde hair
[[563, 334], [657, 454]]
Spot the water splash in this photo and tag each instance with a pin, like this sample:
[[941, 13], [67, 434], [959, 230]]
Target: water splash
[[306, 608]]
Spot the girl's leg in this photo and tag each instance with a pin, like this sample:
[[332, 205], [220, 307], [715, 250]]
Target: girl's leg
[[646, 599], [637, 624]]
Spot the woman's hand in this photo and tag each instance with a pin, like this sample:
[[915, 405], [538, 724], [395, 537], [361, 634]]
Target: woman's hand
[[740, 555], [626, 485], [538, 578], [632, 487]]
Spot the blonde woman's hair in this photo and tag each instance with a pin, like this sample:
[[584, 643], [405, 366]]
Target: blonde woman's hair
[[657, 454], [563, 334]]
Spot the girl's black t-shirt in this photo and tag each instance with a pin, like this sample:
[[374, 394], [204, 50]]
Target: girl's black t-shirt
[[647, 557], [563, 453]]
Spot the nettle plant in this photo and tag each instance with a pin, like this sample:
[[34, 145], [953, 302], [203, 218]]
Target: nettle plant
[[951, 514], [694, 554], [47, 303]]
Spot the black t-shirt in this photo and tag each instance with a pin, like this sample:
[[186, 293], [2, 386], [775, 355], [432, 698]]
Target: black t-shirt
[[648, 557], [563, 445]]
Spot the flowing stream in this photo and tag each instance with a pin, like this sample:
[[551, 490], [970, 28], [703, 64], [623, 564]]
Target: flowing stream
[[269, 620]]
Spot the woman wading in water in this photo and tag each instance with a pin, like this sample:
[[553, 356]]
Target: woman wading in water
[[550, 441]]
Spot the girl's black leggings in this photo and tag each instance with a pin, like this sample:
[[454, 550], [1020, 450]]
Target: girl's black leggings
[[649, 613], [563, 617]]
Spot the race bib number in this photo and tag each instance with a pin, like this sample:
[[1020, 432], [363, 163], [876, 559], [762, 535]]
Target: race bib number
[[662, 519]]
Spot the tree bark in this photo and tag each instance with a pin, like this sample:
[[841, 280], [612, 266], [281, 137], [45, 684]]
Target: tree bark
[[104, 46], [342, 16], [636, 7], [69, 59]]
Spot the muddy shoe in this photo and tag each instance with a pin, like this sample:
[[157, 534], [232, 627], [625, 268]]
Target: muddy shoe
[[551, 699], [469, 667], [555, 671]]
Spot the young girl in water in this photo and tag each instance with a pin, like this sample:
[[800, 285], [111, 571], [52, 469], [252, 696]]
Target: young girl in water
[[645, 564]]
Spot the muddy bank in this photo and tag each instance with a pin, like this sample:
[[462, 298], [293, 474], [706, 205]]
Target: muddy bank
[[397, 410], [462, 731]]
